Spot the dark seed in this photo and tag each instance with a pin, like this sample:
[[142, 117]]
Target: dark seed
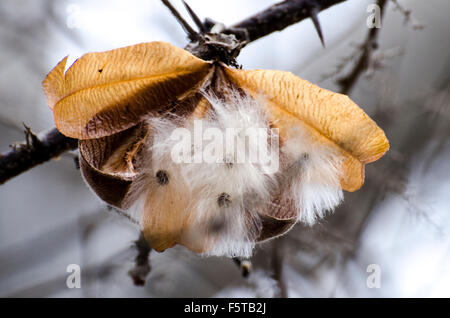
[[223, 200], [100, 70], [162, 177]]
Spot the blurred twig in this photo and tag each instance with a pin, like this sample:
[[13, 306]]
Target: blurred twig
[[283, 14], [142, 265], [278, 255], [408, 17], [347, 82]]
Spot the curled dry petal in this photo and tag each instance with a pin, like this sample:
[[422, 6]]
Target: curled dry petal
[[107, 92], [333, 118]]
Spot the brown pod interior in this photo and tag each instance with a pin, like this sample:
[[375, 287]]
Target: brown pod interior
[[107, 164]]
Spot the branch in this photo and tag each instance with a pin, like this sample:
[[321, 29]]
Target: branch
[[274, 18], [370, 44], [33, 152], [281, 15]]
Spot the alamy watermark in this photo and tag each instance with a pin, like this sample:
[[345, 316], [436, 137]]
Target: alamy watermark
[[374, 18], [374, 278], [258, 146], [74, 278]]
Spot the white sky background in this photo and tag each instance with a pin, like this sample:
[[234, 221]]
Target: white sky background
[[413, 254]]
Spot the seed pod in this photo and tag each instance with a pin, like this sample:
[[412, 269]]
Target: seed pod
[[124, 104]]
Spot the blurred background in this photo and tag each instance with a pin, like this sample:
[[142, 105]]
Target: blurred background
[[399, 220]]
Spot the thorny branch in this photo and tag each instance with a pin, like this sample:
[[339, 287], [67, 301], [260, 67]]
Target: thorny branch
[[33, 152], [282, 15], [275, 18]]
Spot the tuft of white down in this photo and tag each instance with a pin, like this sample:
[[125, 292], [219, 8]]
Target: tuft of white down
[[315, 187], [209, 204], [209, 199]]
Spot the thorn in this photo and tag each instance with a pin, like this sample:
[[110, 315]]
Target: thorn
[[192, 35], [315, 19], [30, 138], [195, 18]]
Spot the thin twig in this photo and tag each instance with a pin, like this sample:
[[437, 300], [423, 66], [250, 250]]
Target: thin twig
[[408, 17], [347, 82]]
